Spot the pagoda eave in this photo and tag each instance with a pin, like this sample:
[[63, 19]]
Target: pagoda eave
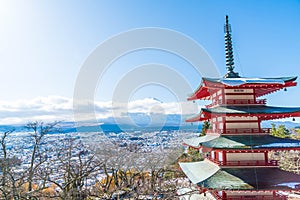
[[252, 179], [207, 174], [197, 119], [263, 117], [248, 149], [250, 142], [202, 93], [203, 116], [208, 87]]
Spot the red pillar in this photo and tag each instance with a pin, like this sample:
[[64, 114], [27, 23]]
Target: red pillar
[[274, 194], [259, 126], [266, 157], [224, 195], [224, 124], [224, 158]]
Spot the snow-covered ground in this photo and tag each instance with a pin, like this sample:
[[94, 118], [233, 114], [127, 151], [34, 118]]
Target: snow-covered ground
[[193, 194]]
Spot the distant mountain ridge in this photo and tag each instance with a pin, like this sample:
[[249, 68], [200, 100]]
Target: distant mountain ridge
[[106, 128], [172, 122]]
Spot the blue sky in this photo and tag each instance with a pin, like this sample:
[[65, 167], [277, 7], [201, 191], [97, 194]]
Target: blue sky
[[45, 43]]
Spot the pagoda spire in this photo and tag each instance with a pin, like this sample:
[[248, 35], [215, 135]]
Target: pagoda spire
[[229, 52]]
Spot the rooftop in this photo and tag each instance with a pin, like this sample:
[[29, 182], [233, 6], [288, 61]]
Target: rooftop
[[252, 178], [199, 171], [261, 109], [251, 142], [195, 141], [262, 86], [207, 174], [243, 80]]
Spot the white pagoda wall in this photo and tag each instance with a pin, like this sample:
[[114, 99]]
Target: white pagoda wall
[[242, 125], [238, 90], [248, 96], [241, 122], [244, 156], [232, 94], [228, 118]]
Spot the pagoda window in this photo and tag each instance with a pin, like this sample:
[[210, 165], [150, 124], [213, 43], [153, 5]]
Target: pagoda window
[[212, 154], [220, 156], [220, 98], [221, 126]]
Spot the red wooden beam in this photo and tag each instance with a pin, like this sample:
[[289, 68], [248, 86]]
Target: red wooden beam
[[203, 92]]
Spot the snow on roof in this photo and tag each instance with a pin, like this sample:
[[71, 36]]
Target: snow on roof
[[199, 171], [195, 141], [279, 145], [249, 178], [253, 141], [251, 109], [241, 81]]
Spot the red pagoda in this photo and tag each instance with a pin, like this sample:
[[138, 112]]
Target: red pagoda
[[236, 147]]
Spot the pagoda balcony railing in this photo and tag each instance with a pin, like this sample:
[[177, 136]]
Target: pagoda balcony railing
[[238, 102], [240, 131], [277, 196], [216, 194], [274, 163]]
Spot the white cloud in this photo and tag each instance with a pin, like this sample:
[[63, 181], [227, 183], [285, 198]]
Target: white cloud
[[59, 108]]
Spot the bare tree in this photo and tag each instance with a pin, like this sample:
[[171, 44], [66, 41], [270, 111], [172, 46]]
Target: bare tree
[[11, 180], [38, 130], [132, 171], [71, 168], [289, 161], [5, 167]]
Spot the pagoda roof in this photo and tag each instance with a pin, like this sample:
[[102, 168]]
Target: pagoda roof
[[199, 171], [195, 141], [209, 175], [252, 179], [263, 86], [261, 111], [251, 142], [242, 81]]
